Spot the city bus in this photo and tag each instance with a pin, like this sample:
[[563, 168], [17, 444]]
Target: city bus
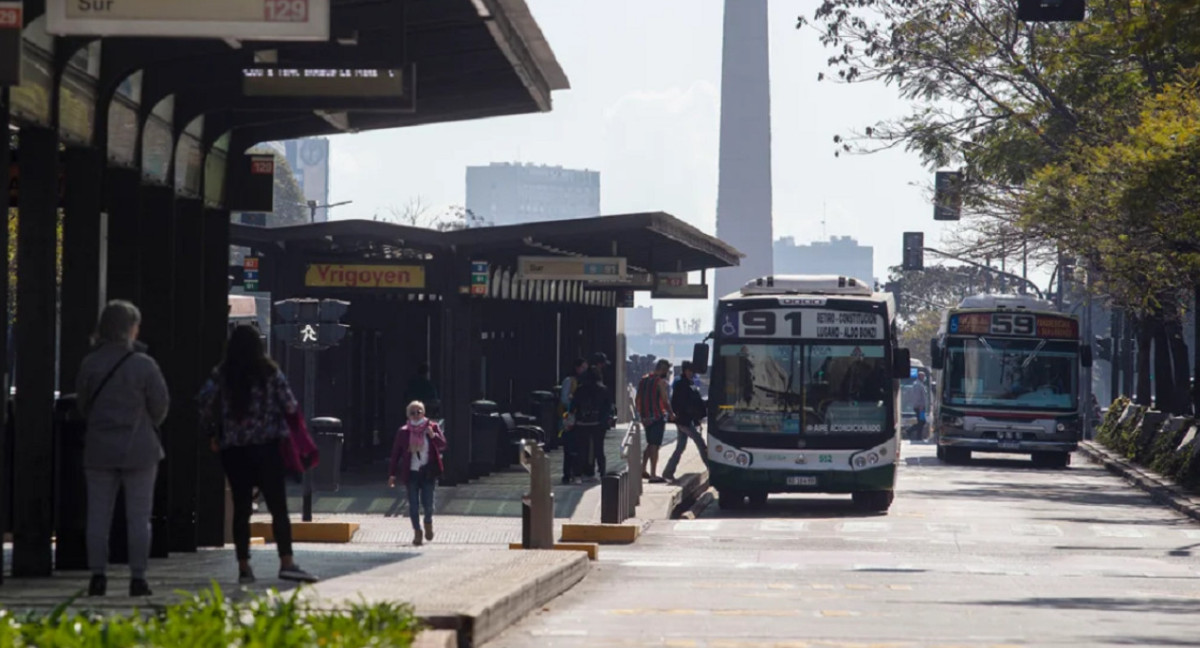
[[804, 391], [1007, 373]]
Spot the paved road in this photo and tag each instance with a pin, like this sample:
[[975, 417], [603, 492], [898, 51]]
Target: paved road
[[991, 554]]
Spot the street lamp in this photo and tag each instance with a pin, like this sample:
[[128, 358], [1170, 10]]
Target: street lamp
[[313, 207]]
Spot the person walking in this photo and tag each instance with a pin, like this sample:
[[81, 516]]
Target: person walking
[[244, 407], [653, 403], [920, 402], [574, 448], [592, 408], [417, 463], [690, 410], [122, 394]]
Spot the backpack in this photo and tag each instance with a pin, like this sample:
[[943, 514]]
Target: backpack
[[587, 407]]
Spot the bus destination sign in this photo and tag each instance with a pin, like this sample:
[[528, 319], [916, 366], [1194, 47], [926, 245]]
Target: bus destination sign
[[1014, 324], [818, 324]]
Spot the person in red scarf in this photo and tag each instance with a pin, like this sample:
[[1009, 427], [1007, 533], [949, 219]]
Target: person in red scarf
[[417, 463]]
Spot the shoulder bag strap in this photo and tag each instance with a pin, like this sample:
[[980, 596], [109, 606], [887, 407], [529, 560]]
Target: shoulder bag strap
[[111, 372]]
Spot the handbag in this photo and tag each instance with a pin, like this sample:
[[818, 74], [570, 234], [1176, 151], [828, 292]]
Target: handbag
[[298, 450]]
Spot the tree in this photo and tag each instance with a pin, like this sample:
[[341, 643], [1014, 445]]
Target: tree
[[939, 287], [917, 332], [414, 213]]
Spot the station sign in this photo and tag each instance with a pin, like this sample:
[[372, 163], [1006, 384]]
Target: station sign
[[674, 285], [250, 20], [337, 275], [12, 20], [479, 278], [590, 269], [808, 323], [250, 274]]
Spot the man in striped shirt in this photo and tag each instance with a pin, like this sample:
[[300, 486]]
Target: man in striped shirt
[[653, 403]]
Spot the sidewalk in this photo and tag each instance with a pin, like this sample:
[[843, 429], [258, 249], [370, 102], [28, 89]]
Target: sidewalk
[[499, 494]]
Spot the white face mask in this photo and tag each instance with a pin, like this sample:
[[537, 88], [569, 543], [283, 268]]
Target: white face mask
[[419, 419]]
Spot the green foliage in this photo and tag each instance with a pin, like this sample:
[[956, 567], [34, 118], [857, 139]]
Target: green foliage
[[916, 334], [1158, 449], [208, 618]]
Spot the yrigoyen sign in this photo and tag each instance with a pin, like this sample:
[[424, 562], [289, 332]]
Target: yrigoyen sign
[[606, 269], [234, 19]]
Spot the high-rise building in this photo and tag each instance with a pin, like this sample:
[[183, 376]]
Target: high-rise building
[[840, 255], [744, 187], [309, 159], [512, 193]]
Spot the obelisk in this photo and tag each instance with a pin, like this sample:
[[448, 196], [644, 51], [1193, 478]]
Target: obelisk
[[744, 183]]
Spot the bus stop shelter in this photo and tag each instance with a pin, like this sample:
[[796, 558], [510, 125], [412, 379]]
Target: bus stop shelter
[[132, 146], [459, 301]]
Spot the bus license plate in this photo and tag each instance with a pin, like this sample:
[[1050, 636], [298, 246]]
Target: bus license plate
[[802, 481], [1010, 445]]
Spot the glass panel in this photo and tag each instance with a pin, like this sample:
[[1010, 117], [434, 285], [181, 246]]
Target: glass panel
[[1012, 374], [77, 107], [761, 390], [846, 389], [122, 133], [30, 101], [156, 150]]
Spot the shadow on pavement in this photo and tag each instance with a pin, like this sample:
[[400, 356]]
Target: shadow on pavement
[[1101, 604], [786, 506], [1020, 491]]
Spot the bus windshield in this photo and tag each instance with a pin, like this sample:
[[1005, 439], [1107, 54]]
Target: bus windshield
[[1011, 374], [814, 389]]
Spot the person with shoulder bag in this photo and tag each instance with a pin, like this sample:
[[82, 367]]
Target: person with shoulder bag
[[245, 408], [122, 394], [690, 410], [417, 463]]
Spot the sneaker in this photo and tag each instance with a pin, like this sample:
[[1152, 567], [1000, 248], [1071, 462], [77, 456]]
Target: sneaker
[[139, 587], [577, 481], [429, 529], [417, 539], [657, 480], [246, 577], [294, 573], [98, 585]]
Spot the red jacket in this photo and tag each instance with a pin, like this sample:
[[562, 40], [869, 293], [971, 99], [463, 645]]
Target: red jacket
[[402, 457]]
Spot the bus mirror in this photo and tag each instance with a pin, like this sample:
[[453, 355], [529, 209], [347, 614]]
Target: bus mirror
[[901, 364], [700, 358], [1085, 356], [935, 354]]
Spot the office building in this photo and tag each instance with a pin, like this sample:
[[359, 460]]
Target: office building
[[840, 255], [512, 193]]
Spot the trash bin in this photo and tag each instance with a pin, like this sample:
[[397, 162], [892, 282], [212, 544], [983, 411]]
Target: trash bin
[[70, 492], [327, 434], [543, 406], [486, 428]]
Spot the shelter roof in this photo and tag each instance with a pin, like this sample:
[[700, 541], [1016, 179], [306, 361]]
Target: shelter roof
[[656, 242]]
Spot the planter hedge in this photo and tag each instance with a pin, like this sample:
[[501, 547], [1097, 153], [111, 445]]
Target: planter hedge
[[209, 618], [1168, 446]]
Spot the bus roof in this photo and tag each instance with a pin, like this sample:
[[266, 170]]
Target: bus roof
[[837, 286], [1013, 302]]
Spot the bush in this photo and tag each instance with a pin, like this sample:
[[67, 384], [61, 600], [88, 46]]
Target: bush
[[208, 618]]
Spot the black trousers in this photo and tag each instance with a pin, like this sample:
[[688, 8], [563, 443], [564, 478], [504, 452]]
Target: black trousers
[[258, 466], [593, 436]]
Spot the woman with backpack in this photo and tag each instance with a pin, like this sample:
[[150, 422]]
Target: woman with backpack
[[245, 407], [417, 463]]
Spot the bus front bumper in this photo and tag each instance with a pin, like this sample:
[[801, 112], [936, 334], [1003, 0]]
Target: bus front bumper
[[997, 445], [733, 478]]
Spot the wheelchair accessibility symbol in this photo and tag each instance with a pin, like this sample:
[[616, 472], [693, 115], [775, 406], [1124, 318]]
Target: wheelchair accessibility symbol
[[729, 325]]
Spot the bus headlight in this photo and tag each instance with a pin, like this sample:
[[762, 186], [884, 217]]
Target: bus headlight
[[860, 462], [872, 458], [1062, 427]]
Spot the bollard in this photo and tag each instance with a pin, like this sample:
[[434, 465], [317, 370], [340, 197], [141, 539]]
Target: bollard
[[624, 494], [540, 497], [525, 520], [610, 500]]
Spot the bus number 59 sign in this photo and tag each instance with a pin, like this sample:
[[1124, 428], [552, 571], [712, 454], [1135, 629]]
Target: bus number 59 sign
[[285, 11]]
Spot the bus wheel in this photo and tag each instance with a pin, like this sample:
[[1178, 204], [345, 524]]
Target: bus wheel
[[875, 501], [1055, 460], [758, 499], [729, 500], [941, 453]]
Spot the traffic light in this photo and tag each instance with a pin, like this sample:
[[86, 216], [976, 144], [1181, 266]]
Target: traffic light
[[1051, 10], [332, 310], [914, 251], [947, 198], [299, 310], [311, 324]]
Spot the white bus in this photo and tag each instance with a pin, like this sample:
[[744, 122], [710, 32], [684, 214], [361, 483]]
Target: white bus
[[1008, 380], [804, 391]]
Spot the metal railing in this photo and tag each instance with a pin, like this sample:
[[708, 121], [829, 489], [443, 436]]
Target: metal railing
[[621, 492]]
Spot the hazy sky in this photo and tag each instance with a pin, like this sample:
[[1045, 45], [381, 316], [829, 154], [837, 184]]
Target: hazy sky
[[643, 110]]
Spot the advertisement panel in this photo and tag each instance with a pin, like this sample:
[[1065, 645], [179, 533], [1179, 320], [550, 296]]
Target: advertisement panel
[[251, 20]]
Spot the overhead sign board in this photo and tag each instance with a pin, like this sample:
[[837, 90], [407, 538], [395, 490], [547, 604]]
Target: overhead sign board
[[276, 81], [337, 275], [947, 200], [591, 269], [674, 285], [479, 278], [252, 20], [11, 22]]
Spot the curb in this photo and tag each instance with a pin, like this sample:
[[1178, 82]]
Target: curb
[[1159, 489], [699, 506], [486, 621]]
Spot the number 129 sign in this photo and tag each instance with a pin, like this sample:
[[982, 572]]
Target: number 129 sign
[[285, 10]]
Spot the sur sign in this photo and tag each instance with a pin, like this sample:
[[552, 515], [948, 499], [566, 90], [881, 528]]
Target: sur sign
[[269, 20], [572, 268]]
